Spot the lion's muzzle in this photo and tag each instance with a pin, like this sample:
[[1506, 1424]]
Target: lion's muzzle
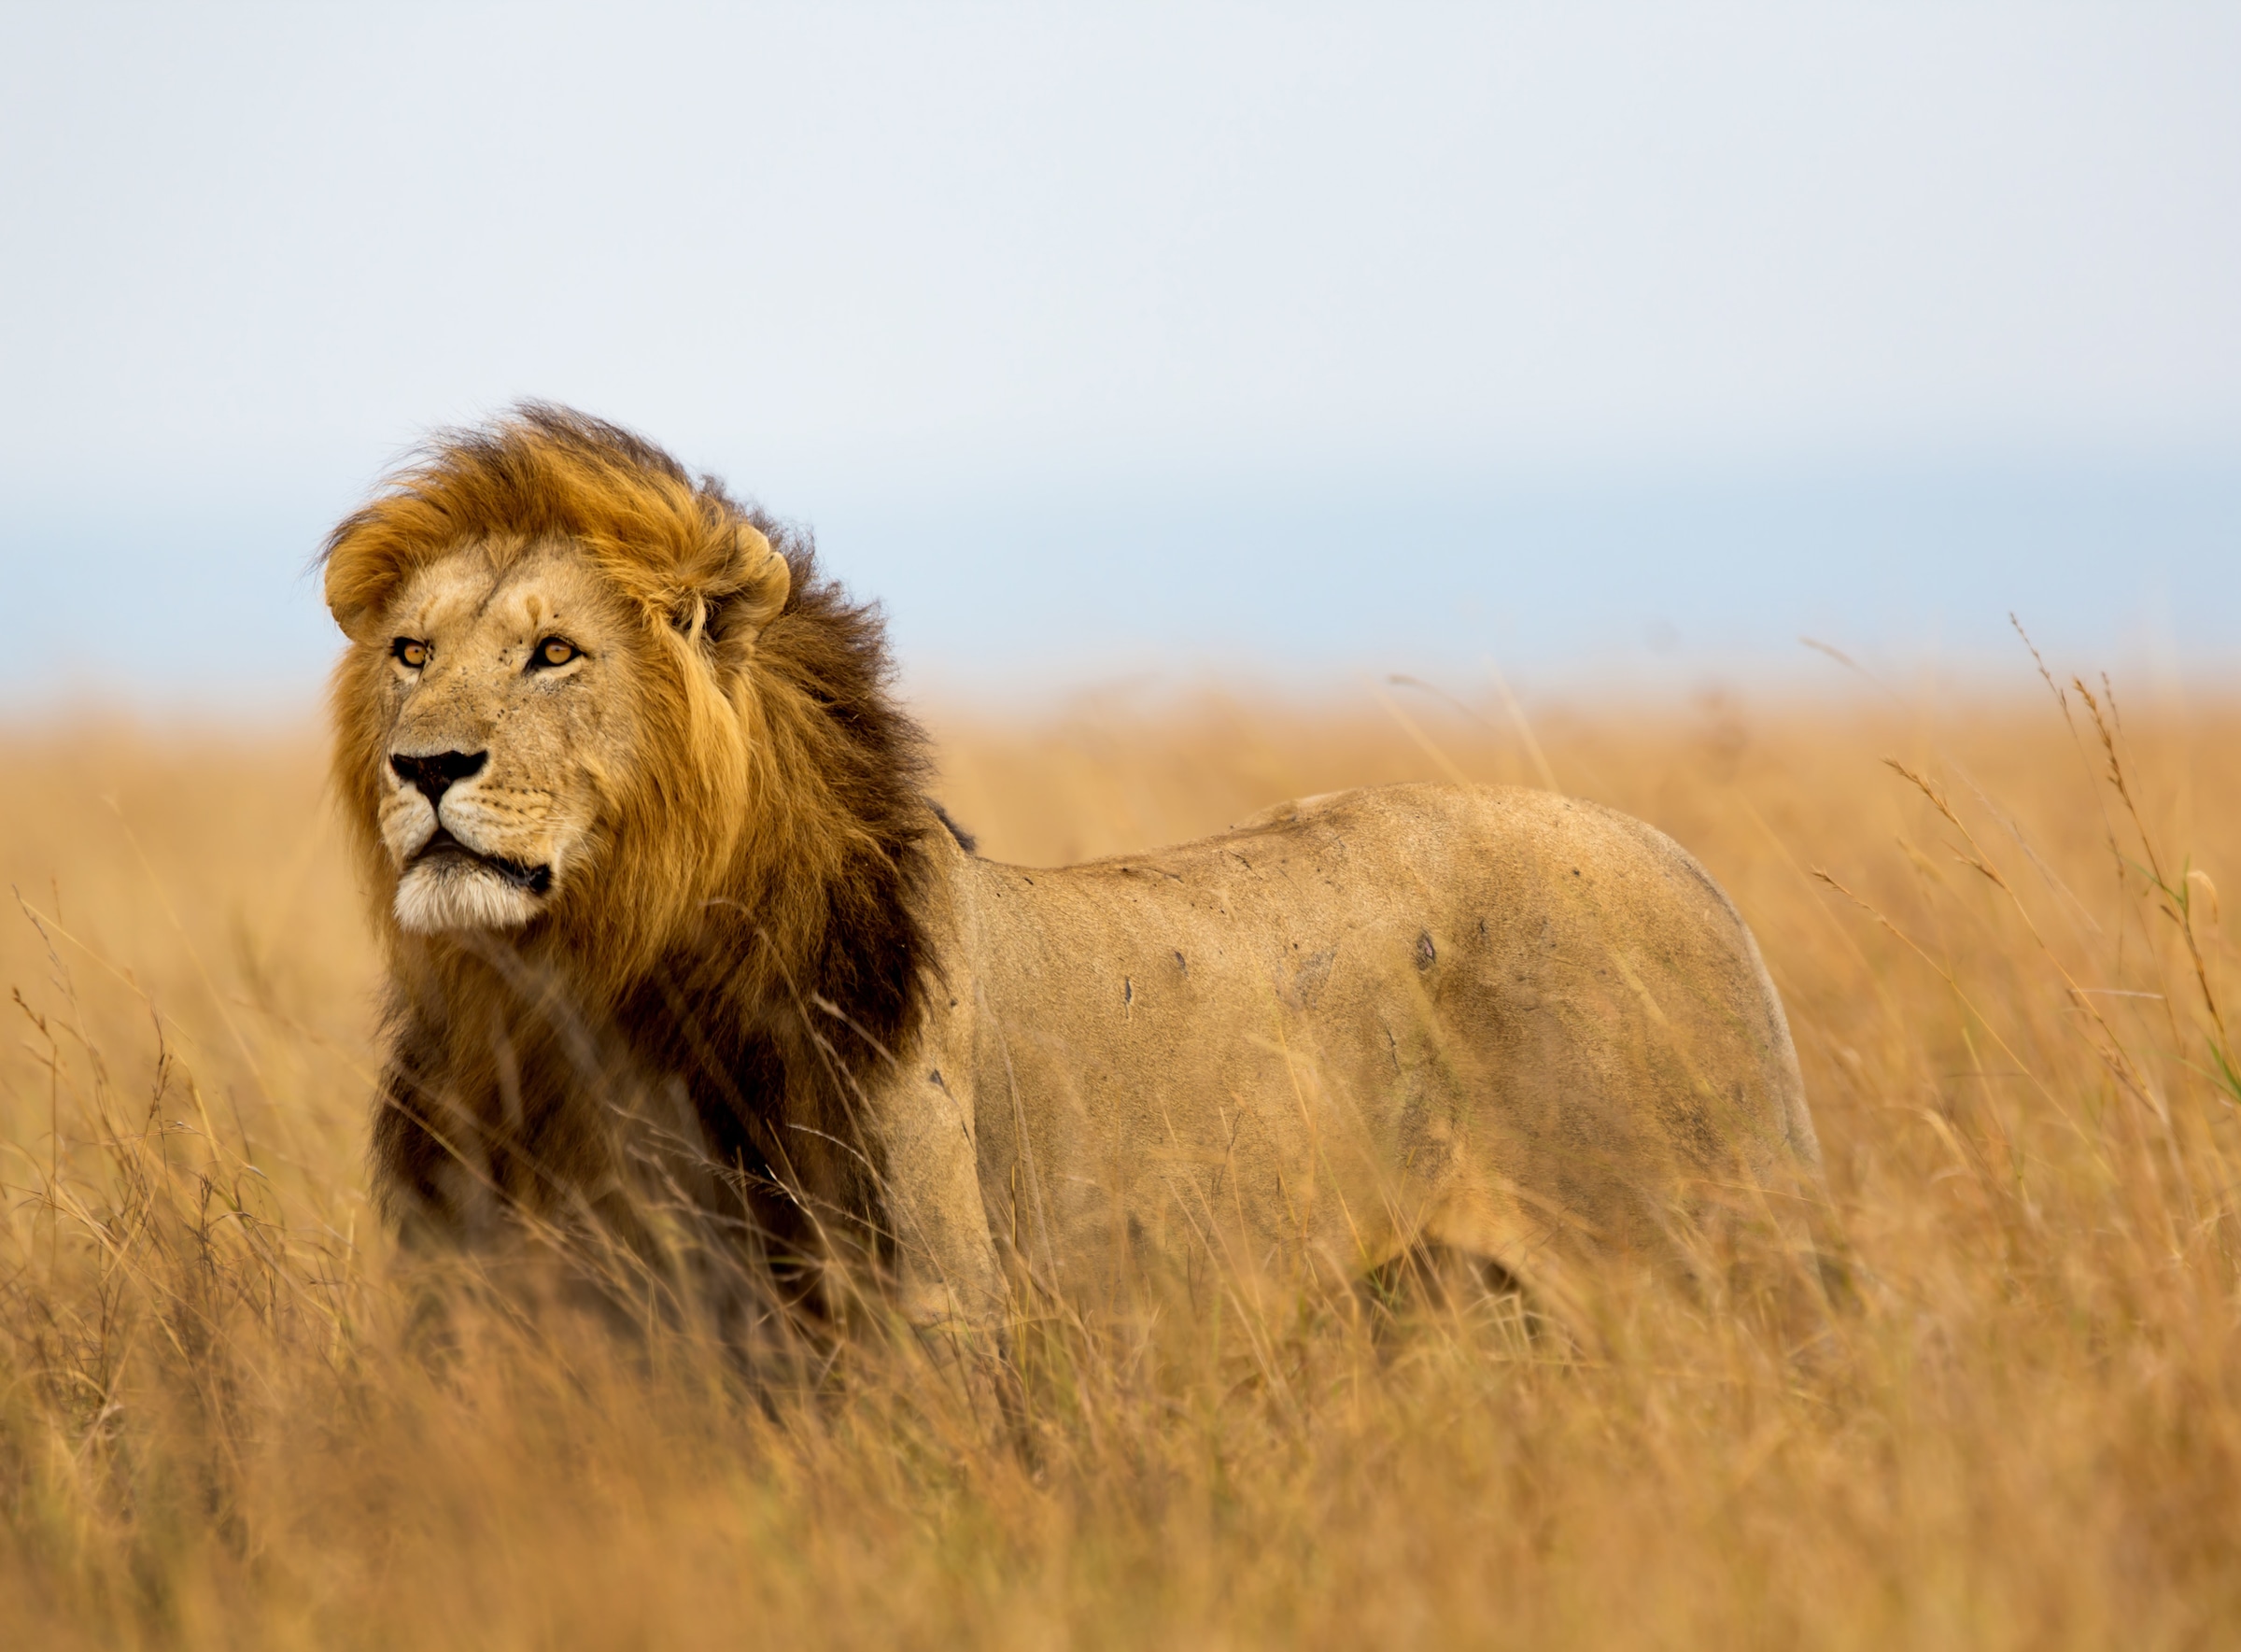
[[454, 876]]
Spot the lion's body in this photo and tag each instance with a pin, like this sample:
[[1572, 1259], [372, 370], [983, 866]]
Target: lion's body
[[666, 891], [1500, 1021]]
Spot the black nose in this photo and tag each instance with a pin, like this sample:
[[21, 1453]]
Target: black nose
[[434, 775]]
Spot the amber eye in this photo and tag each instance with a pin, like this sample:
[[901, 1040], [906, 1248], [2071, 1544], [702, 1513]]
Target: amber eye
[[410, 651], [553, 651]]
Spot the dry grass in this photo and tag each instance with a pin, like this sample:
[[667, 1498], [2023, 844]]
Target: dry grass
[[2024, 1431]]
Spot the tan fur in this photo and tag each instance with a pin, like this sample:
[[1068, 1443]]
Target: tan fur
[[1503, 1021], [1500, 1021]]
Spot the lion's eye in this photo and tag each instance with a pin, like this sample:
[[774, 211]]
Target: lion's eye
[[553, 651], [410, 651]]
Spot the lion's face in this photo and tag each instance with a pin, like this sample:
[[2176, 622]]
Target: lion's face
[[551, 709], [508, 726]]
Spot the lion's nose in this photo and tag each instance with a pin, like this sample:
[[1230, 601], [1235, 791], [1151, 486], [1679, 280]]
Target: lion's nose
[[433, 775]]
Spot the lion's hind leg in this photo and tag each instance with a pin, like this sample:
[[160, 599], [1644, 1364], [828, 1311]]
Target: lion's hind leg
[[1431, 1286], [1478, 1254]]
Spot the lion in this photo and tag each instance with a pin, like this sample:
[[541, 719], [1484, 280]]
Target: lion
[[659, 880]]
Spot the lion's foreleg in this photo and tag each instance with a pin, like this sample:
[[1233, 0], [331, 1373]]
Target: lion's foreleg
[[948, 1286]]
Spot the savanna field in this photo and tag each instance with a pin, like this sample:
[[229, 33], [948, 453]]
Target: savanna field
[[2005, 1411]]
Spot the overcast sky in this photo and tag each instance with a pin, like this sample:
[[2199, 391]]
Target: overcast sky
[[1304, 336]]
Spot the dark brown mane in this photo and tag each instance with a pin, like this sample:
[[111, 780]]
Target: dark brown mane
[[846, 1004]]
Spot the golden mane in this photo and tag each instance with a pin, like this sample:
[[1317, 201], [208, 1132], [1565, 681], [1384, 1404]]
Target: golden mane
[[758, 922]]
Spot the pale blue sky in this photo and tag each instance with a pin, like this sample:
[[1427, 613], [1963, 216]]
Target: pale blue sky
[[1624, 341]]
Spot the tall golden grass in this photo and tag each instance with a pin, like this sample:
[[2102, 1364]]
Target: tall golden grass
[[2016, 1422]]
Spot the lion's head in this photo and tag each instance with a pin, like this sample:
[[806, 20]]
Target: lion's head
[[569, 684]]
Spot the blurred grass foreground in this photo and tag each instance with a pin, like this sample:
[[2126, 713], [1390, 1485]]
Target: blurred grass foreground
[[2017, 1424]]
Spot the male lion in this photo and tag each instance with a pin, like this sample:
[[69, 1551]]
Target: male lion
[[654, 865]]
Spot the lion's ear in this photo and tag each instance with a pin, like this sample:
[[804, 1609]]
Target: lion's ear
[[753, 593], [354, 591], [766, 581]]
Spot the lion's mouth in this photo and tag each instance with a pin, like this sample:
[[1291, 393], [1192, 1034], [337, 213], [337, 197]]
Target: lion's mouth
[[442, 846]]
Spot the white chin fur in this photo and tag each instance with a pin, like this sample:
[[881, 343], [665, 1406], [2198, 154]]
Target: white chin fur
[[456, 893]]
